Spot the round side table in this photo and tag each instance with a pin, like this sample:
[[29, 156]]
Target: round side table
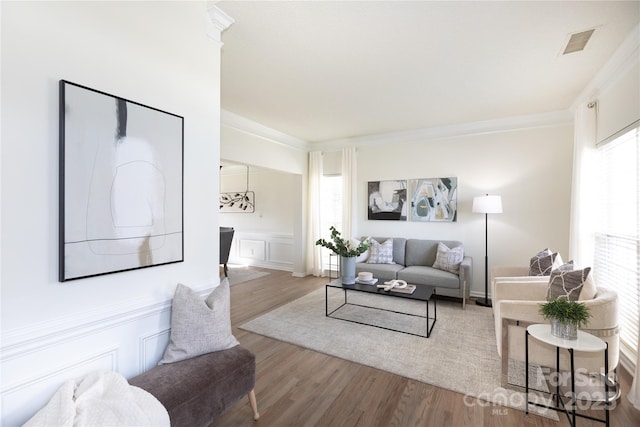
[[585, 343]]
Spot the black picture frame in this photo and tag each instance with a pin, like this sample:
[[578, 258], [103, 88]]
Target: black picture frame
[[386, 200], [121, 184], [434, 199]]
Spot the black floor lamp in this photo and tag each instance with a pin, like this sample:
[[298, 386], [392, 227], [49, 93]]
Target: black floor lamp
[[487, 205]]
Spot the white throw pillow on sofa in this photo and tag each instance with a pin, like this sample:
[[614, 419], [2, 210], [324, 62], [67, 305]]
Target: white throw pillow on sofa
[[589, 290], [365, 255], [381, 253], [542, 263], [449, 259], [567, 283]]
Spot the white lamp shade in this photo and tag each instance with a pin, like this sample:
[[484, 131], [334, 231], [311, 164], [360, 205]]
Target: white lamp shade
[[487, 204]]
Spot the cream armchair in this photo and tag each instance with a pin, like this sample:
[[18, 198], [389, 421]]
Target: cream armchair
[[516, 304], [512, 274]]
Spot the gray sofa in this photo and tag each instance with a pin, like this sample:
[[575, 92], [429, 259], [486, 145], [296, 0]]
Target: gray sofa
[[413, 263]]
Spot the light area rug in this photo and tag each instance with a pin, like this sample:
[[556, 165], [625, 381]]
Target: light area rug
[[243, 274], [460, 354]]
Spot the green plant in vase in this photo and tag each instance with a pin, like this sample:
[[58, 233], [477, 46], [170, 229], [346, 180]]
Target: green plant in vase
[[565, 316], [347, 251]]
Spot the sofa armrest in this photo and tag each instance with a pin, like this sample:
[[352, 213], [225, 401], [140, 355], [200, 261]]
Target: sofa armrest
[[509, 271], [465, 275], [466, 268], [525, 311]]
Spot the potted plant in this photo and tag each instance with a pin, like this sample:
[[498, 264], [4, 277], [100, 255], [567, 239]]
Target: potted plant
[[566, 316], [348, 253]]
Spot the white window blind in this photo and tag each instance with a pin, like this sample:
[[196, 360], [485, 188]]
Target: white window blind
[[617, 245]]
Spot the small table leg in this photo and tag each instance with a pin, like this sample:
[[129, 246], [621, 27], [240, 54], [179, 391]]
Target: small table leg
[[427, 317], [606, 383], [526, 371], [326, 301], [558, 374], [573, 390]]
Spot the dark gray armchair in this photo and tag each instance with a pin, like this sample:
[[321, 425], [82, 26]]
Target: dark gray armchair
[[226, 237]]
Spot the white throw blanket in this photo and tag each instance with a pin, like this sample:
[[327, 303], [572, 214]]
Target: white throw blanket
[[100, 399]]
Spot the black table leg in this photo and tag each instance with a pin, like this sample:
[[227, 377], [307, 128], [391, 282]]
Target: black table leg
[[573, 390], [526, 371]]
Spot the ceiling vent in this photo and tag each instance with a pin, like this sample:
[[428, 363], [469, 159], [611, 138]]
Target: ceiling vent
[[578, 41]]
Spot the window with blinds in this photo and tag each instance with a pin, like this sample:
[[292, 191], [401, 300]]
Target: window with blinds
[[617, 245]]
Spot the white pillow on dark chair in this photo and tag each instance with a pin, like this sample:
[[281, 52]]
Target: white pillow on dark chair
[[199, 326]]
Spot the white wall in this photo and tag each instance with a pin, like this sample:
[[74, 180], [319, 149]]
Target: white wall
[[274, 207], [617, 88], [246, 148], [265, 237], [530, 169], [243, 147], [619, 103], [155, 53]]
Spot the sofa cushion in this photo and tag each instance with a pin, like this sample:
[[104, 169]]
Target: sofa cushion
[[199, 326], [363, 256], [381, 253], [589, 290], [382, 272], [568, 266], [567, 283], [449, 259], [423, 275], [398, 247], [542, 263], [423, 252]]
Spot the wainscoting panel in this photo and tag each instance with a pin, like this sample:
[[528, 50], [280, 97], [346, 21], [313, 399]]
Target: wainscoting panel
[[268, 250], [252, 249], [152, 348], [22, 399], [35, 366], [280, 252]]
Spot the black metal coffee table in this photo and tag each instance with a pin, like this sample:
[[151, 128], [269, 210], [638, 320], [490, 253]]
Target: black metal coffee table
[[422, 293]]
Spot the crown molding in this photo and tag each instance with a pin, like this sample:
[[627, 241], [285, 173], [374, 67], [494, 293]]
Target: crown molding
[[625, 56], [235, 121], [550, 119], [218, 22]]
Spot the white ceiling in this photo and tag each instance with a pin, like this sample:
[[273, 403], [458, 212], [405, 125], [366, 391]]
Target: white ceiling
[[322, 71]]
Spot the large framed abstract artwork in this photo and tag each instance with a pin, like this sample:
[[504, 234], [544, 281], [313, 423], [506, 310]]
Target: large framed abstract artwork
[[121, 184], [434, 199], [387, 200]]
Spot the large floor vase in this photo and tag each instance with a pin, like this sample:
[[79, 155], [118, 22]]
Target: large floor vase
[[348, 270]]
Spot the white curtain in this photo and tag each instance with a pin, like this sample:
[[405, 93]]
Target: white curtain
[[314, 253], [349, 179], [582, 222]]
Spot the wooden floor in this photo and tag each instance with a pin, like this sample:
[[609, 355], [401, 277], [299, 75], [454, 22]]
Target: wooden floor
[[300, 387]]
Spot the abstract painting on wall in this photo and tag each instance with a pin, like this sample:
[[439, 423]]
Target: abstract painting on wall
[[434, 199], [238, 202], [387, 200], [121, 184]]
